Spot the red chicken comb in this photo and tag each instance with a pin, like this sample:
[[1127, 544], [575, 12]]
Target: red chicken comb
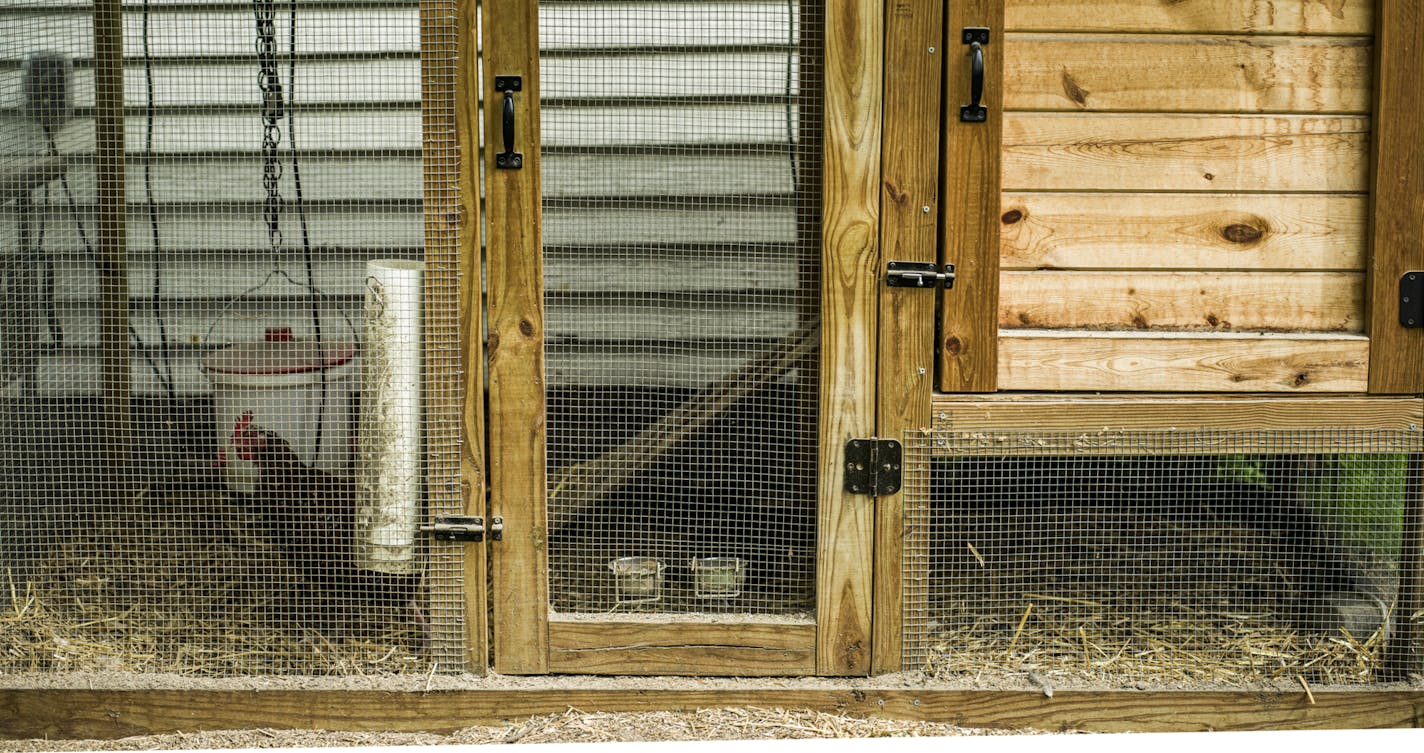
[[243, 421]]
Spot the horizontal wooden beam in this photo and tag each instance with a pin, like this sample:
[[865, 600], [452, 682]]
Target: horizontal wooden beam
[[683, 648], [1095, 361], [109, 714], [1095, 413]]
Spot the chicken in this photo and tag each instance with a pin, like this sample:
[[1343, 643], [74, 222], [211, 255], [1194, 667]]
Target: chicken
[[309, 515]]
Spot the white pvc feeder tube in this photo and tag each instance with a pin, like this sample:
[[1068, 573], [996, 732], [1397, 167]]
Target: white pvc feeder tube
[[389, 477]]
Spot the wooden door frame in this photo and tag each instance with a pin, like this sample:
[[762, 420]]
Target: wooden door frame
[[970, 233], [526, 640]]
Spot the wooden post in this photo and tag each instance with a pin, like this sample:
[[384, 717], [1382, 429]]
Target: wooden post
[[1397, 198], [850, 253], [515, 350], [1405, 654], [454, 481], [909, 225], [110, 237]]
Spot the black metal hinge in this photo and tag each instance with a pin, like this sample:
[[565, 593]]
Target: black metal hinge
[[872, 466], [1411, 299], [916, 274], [464, 528]]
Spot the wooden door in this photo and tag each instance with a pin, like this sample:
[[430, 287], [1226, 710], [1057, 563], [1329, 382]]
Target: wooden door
[[1175, 199], [681, 300]]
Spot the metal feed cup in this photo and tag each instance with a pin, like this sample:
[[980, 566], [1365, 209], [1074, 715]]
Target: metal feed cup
[[718, 577], [639, 579]]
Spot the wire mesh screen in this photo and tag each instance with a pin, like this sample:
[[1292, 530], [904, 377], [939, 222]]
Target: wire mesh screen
[[1164, 557], [228, 336], [681, 158]]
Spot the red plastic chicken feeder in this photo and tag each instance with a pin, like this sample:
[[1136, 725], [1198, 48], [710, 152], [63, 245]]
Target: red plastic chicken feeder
[[280, 380]]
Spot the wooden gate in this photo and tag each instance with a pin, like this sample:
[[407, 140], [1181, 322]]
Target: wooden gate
[[633, 118]]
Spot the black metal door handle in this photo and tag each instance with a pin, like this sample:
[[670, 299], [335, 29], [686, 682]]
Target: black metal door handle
[[975, 111], [508, 159]]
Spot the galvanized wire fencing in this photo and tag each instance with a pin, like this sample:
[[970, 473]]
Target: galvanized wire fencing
[[1160, 557], [208, 465]]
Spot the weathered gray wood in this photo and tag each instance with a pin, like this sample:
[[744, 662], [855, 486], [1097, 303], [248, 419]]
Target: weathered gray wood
[[227, 32], [376, 179]]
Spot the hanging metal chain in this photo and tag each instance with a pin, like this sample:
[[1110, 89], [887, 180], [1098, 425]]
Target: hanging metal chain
[[270, 83]]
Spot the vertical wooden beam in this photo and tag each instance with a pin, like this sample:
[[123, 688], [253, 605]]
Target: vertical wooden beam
[[1397, 212], [1405, 654], [909, 224], [457, 579], [515, 348], [473, 487], [850, 259], [969, 329], [110, 231]]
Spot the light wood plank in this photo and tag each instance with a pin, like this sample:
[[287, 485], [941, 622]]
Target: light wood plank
[[455, 582], [682, 648], [1186, 74], [908, 232], [850, 256], [1218, 153], [1184, 362], [111, 714], [1106, 413], [1214, 301], [515, 350], [969, 227], [1183, 231], [1218, 16], [1397, 209], [474, 476]]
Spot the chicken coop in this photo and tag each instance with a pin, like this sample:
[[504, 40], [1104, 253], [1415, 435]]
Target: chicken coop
[[1015, 343]]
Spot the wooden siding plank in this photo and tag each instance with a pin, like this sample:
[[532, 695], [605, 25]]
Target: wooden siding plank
[[1184, 362], [368, 180], [1165, 412], [1216, 16], [228, 82], [1186, 74], [240, 228], [1217, 153], [909, 204], [682, 648], [969, 226], [1183, 231], [1397, 208], [1211, 301], [111, 714], [515, 349], [76, 371], [228, 32], [850, 253]]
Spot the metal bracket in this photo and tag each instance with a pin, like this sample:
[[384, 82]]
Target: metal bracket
[[873, 466], [915, 274], [460, 528], [496, 530], [1411, 299], [972, 34]]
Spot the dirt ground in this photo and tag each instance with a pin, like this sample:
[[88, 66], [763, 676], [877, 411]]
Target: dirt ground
[[573, 726]]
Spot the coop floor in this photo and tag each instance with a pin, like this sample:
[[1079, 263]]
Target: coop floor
[[1203, 604], [182, 581]]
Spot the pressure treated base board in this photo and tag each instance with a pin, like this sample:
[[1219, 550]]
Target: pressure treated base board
[[108, 714]]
